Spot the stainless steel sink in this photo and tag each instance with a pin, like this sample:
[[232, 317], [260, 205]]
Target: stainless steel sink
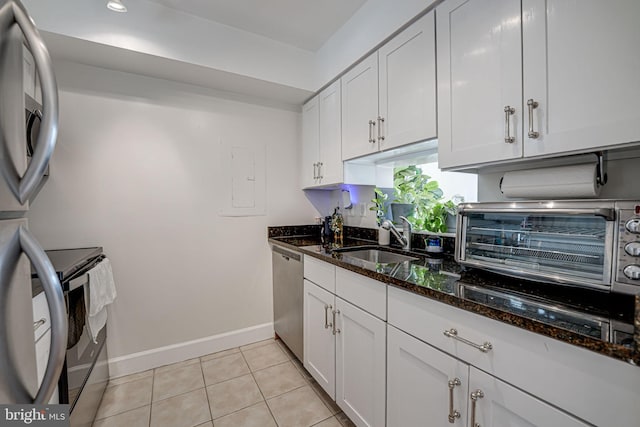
[[375, 256]]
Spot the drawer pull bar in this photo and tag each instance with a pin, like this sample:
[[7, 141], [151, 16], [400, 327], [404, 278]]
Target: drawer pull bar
[[453, 414], [335, 330], [453, 333], [478, 394], [39, 323]]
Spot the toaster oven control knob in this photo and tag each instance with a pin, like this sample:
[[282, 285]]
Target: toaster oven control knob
[[632, 248], [632, 272], [633, 225]]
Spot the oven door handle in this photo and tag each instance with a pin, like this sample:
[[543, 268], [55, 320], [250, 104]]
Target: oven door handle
[[23, 187], [57, 312], [607, 213]]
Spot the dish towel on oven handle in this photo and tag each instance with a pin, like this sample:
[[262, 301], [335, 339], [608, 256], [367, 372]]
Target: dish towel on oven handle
[[100, 293]]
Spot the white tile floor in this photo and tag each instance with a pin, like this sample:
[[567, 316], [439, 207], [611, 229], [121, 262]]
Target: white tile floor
[[258, 385]]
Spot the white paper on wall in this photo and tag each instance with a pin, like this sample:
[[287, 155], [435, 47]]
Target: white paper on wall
[[243, 179]]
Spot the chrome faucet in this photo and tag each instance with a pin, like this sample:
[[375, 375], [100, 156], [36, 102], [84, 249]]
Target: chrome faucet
[[405, 237]]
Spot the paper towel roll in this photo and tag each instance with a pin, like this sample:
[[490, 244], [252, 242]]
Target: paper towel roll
[[567, 182]]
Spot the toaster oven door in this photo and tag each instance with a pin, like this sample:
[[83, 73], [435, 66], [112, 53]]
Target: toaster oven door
[[566, 248]]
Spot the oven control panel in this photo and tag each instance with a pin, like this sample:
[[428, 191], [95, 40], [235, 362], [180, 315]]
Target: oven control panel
[[628, 262]]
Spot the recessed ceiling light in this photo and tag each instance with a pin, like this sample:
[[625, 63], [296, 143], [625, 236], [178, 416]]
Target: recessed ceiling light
[[116, 6]]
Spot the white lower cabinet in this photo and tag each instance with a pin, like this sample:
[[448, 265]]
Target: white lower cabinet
[[319, 341], [494, 403], [424, 383], [344, 351], [360, 364]]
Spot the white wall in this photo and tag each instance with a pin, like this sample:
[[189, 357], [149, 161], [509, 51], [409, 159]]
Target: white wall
[[135, 172]]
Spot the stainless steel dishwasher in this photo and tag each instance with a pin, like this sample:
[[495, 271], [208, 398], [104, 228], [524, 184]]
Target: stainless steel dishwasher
[[288, 292]]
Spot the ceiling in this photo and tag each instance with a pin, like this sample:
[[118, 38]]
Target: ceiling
[[306, 24]]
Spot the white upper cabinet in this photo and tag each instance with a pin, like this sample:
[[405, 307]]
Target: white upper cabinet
[[389, 99], [330, 168], [407, 86], [310, 143], [479, 75], [550, 77], [321, 139], [581, 65], [360, 109]]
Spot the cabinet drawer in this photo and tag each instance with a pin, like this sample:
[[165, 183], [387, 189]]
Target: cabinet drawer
[[368, 294], [41, 318], [321, 273], [554, 371]]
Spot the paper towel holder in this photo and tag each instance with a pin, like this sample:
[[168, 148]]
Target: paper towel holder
[[601, 170]]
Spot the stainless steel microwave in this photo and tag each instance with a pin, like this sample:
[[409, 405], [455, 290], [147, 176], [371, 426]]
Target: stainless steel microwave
[[587, 243]]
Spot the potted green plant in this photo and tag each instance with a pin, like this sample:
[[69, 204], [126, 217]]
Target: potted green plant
[[379, 200], [436, 216], [414, 193], [379, 206]]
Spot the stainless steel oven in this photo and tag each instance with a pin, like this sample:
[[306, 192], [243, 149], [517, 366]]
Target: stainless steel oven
[[86, 372], [588, 243]]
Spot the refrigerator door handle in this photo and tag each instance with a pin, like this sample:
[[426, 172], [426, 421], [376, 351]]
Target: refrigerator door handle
[[46, 141], [57, 311]]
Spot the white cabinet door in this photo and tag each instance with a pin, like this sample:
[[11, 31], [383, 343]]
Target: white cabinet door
[[310, 143], [407, 85], [319, 342], [422, 383], [331, 171], [498, 404], [479, 74], [360, 109], [360, 365], [581, 64]]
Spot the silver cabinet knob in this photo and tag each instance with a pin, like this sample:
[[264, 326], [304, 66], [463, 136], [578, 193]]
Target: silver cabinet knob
[[632, 271], [632, 248], [633, 225]]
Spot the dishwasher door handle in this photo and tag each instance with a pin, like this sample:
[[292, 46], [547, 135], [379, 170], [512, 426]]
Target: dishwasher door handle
[[288, 255]]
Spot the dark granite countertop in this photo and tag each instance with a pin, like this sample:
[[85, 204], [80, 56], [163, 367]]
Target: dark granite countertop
[[590, 319]]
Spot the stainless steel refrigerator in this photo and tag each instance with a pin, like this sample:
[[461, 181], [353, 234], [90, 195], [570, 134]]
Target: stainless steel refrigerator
[[20, 179]]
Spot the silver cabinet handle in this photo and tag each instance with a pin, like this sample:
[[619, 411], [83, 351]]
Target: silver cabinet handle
[[372, 140], [327, 325], [478, 394], [57, 312], [532, 106], [335, 330], [24, 187], [453, 333], [320, 170], [39, 323], [315, 171], [453, 414], [508, 111], [380, 122]]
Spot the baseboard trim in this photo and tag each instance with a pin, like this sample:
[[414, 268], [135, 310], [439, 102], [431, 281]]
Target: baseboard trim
[[145, 360]]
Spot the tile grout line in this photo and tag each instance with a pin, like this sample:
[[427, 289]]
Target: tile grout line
[[153, 382], [206, 392], [260, 390]]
